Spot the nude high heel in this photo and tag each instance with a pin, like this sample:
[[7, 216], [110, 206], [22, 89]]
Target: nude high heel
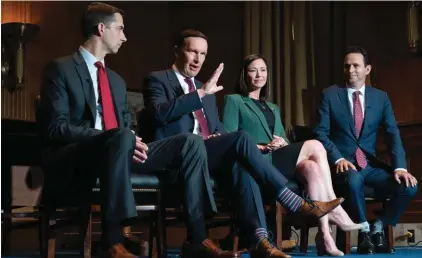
[[333, 219], [322, 249]]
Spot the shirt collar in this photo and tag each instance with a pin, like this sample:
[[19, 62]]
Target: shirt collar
[[362, 91], [89, 58], [180, 76]]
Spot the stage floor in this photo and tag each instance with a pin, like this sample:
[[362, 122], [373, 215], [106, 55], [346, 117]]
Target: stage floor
[[409, 252]]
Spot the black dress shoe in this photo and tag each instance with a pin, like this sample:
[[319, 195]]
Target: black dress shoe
[[381, 246], [365, 245]]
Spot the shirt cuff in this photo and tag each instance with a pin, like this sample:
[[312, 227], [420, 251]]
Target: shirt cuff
[[338, 160], [400, 169]]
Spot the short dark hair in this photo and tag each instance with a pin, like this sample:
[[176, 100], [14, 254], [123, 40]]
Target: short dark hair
[[359, 50], [179, 41], [243, 88], [97, 13]]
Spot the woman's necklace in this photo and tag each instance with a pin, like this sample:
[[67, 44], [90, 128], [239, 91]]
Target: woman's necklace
[[261, 103]]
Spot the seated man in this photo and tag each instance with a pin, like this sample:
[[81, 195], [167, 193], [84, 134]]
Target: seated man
[[179, 103], [350, 116], [85, 128]]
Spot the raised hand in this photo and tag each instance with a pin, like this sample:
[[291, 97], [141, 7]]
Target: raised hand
[[211, 87]]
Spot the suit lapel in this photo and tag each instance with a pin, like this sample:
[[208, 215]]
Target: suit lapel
[[252, 106], [368, 110], [277, 126], [86, 82], [345, 105], [171, 75]]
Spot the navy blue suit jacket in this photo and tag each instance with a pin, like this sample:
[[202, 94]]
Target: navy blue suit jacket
[[171, 109], [336, 128]]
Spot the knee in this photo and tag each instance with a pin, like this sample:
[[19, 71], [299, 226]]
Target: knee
[[194, 142], [410, 191], [316, 147], [308, 168], [124, 137], [354, 180]]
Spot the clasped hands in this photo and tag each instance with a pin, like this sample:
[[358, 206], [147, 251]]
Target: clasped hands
[[140, 153], [274, 145]]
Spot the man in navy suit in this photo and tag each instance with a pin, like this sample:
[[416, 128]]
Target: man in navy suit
[[178, 103], [350, 117]]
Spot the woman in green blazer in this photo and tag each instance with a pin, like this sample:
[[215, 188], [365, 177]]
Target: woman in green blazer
[[248, 111]]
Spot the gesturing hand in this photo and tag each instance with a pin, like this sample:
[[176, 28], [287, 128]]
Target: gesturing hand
[[210, 87]]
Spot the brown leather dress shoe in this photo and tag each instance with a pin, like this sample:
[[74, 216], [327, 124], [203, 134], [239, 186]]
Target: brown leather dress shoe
[[117, 251], [319, 209], [207, 249], [266, 250]]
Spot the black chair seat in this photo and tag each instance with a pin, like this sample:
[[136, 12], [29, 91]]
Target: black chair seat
[[148, 181], [141, 181]]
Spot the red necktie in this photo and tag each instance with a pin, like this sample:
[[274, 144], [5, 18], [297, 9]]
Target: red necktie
[[358, 116], [109, 116], [202, 120]]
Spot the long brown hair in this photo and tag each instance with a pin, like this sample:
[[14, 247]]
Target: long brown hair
[[243, 88]]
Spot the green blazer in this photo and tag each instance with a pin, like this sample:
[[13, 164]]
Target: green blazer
[[241, 113]]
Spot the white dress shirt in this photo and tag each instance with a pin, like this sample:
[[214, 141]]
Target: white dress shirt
[[90, 61], [350, 92], [185, 87]]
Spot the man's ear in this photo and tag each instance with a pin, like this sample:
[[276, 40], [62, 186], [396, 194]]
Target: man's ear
[[100, 29], [368, 69]]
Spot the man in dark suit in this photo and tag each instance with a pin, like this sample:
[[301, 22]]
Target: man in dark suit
[[85, 127], [179, 103], [350, 117]]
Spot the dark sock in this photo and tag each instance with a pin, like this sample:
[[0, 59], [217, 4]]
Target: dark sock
[[196, 231], [112, 233]]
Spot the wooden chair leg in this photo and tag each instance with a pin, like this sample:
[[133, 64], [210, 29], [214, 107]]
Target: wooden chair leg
[[160, 229], [151, 234], [389, 235], [343, 241], [235, 238], [347, 242], [43, 231], [85, 229], [51, 238], [6, 226], [88, 238], [47, 232], [279, 225], [304, 235]]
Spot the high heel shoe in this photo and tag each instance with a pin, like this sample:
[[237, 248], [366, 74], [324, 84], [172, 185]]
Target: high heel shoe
[[345, 227], [322, 248]]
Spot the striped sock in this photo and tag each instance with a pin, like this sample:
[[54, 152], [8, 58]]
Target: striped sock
[[291, 201], [260, 234]]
